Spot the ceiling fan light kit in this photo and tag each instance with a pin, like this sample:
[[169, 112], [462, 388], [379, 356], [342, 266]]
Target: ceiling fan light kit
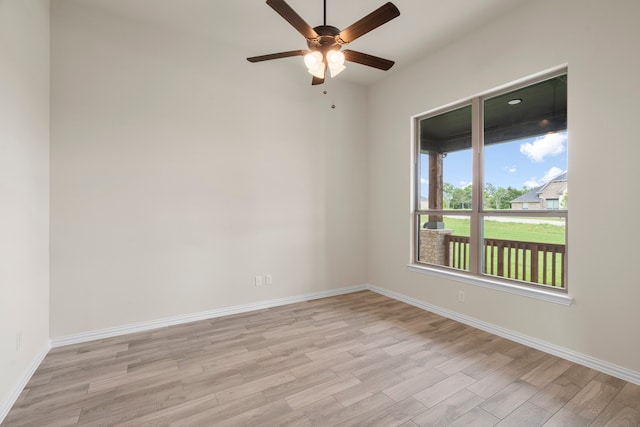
[[335, 62], [325, 41], [315, 64]]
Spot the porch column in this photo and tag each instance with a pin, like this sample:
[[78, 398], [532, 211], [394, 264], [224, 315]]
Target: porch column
[[435, 189]]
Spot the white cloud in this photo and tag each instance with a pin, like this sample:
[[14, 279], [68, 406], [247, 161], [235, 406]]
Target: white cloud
[[551, 173], [548, 176], [511, 169], [545, 146], [531, 183], [464, 184], [423, 181]]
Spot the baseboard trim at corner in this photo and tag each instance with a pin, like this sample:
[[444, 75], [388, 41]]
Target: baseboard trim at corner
[[177, 320], [556, 350], [6, 406]]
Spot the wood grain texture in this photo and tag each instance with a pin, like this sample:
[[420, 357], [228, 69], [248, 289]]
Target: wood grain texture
[[353, 360]]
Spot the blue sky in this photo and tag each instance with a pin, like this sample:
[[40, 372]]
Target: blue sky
[[528, 162]]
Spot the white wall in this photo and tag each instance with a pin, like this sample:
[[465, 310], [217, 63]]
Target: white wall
[[24, 190], [599, 41], [179, 171]]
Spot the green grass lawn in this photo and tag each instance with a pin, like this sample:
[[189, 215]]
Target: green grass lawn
[[541, 233]]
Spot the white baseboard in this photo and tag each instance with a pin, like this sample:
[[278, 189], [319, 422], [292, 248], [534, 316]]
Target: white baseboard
[[556, 350], [177, 320], [5, 406]]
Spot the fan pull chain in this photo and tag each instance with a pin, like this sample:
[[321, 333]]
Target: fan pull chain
[[333, 100]]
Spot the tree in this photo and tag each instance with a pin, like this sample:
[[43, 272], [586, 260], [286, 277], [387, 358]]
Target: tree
[[447, 195], [494, 197], [499, 197], [457, 198], [461, 198], [466, 194], [564, 199], [490, 199], [510, 193]]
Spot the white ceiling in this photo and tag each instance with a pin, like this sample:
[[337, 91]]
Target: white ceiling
[[250, 25]]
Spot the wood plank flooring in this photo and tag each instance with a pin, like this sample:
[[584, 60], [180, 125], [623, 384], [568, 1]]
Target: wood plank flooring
[[353, 360]]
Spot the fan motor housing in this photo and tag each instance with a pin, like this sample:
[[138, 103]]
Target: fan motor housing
[[328, 37]]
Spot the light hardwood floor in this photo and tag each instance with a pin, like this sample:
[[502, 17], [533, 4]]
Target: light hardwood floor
[[357, 359]]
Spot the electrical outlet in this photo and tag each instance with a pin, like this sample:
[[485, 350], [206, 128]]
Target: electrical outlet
[[258, 281], [461, 296], [268, 279]]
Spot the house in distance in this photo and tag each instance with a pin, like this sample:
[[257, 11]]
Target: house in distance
[[552, 195]]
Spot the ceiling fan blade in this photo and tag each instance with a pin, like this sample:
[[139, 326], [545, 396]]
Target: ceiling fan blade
[[277, 55], [366, 59], [380, 16], [292, 18]]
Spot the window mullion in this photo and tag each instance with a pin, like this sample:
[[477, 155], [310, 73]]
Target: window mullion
[[477, 131]]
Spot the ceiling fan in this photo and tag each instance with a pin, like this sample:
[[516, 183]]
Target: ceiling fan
[[325, 41]]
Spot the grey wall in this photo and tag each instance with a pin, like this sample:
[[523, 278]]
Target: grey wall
[[24, 189]]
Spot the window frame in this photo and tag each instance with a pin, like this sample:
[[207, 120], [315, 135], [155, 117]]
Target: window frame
[[478, 212]]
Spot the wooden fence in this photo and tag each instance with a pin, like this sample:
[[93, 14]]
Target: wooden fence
[[542, 263]]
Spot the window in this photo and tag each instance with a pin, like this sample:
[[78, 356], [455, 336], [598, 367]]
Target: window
[[484, 174]]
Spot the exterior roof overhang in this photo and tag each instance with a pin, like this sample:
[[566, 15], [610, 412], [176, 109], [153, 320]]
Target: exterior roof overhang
[[543, 110]]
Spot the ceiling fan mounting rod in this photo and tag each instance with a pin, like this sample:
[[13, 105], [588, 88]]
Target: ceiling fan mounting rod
[[325, 13]]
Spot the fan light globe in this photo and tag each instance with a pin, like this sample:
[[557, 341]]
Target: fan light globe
[[315, 64], [335, 58], [313, 59]]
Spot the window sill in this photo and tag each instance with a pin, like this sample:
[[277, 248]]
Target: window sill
[[540, 294]]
